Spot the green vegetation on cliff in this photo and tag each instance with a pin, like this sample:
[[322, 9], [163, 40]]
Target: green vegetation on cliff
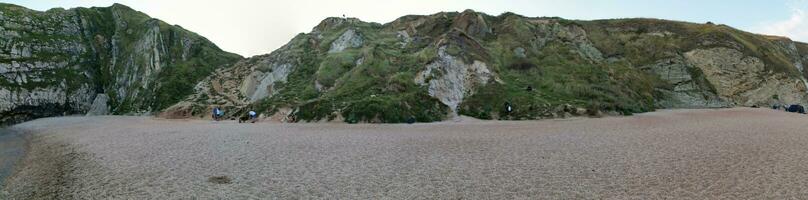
[[373, 83], [143, 63], [432, 67], [426, 68]]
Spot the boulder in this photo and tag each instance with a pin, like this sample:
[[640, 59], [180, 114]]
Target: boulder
[[99, 106]]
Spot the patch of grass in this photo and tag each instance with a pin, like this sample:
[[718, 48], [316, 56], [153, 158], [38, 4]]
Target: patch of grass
[[334, 65]]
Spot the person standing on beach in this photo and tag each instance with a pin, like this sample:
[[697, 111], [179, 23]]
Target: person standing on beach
[[217, 113], [252, 115]]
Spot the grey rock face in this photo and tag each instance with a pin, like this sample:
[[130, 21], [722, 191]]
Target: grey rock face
[[800, 59], [55, 62], [41, 77], [99, 106], [349, 39], [574, 36], [259, 85], [520, 52], [743, 80], [404, 37], [472, 23], [687, 91], [450, 79]]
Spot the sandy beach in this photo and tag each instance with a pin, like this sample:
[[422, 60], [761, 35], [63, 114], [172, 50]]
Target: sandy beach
[[740, 153]]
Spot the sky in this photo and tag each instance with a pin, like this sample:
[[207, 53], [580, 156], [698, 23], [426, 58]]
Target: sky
[[253, 27]]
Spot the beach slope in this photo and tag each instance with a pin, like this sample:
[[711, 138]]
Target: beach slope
[[740, 153]]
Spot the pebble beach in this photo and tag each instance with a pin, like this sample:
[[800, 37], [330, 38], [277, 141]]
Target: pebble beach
[[739, 153]]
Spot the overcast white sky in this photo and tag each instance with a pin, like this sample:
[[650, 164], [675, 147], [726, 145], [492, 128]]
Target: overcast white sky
[[251, 27]]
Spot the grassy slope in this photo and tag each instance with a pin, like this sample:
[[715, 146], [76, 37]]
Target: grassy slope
[[380, 89], [557, 74], [641, 49]]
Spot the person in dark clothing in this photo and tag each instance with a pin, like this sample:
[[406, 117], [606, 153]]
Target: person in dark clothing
[[251, 117], [217, 114], [411, 120], [796, 109], [508, 107]]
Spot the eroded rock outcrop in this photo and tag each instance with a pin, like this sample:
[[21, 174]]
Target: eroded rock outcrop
[[349, 39], [743, 80], [99, 106], [450, 79], [689, 89], [472, 23]]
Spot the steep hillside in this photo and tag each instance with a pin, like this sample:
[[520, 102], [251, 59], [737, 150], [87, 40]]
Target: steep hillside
[[439, 66], [447, 64], [61, 61]]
